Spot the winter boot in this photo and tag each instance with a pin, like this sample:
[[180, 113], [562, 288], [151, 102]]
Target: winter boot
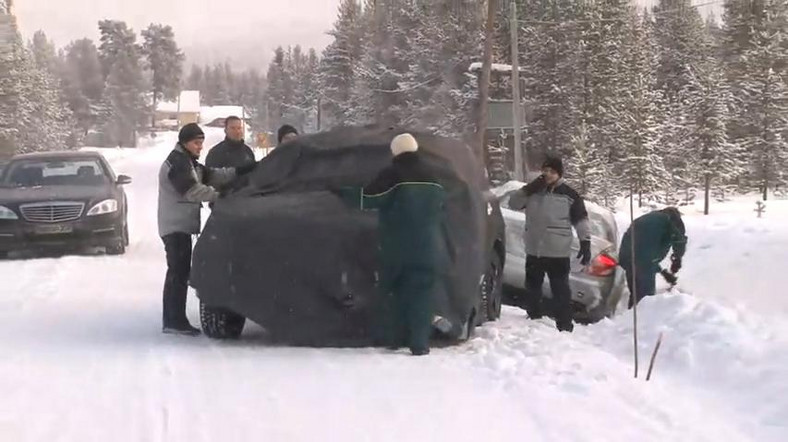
[[419, 351]]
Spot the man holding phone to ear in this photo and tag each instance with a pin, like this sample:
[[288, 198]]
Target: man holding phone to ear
[[552, 208]]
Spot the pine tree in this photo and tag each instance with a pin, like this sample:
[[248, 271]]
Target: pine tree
[[83, 84], [44, 53], [14, 79], [165, 61], [589, 172], [125, 84], [276, 91], [339, 64], [380, 73], [195, 82], [640, 164], [117, 40], [448, 39], [715, 158], [756, 54], [32, 116]]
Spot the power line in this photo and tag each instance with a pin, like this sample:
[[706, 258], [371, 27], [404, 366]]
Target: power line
[[607, 20]]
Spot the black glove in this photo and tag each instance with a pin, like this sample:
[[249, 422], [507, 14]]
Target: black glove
[[675, 264], [670, 278], [585, 252]]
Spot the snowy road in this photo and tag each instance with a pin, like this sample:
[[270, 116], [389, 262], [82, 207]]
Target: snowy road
[[83, 359]]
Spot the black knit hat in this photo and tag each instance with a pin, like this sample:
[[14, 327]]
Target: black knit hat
[[554, 163], [190, 132], [284, 130]]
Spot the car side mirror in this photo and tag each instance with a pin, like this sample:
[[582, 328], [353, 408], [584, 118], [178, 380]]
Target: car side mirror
[[123, 179]]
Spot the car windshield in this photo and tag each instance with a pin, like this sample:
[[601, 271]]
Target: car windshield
[[54, 172]]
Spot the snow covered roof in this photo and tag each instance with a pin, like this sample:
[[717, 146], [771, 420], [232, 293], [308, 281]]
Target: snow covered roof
[[189, 102], [211, 113], [496, 67]]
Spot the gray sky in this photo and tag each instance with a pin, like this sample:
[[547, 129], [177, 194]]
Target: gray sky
[[244, 31], [208, 30]]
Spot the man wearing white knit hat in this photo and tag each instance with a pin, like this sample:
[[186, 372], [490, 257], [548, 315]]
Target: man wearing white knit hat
[[414, 252]]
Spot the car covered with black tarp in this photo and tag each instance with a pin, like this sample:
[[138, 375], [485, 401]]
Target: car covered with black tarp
[[283, 250]]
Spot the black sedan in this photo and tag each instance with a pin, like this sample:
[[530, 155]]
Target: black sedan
[[62, 200], [285, 252]]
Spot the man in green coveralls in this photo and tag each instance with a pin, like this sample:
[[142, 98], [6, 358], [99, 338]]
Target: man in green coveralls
[[655, 234], [414, 252]]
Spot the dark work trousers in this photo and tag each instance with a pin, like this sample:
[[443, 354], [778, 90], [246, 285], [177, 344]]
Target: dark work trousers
[[410, 310], [646, 283], [178, 247], [557, 271]]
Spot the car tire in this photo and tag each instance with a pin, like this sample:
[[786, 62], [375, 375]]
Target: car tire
[[219, 323], [492, 290], [120, 247]]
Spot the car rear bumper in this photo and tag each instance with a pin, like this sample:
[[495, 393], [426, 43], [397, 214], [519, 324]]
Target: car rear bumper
[[94, 231], [588, 292]]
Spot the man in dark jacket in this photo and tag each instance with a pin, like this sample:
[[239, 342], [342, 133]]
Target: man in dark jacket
[[232, 152], [184, 184], [286, 133], [655, 234], [551, 209], [413, 243]]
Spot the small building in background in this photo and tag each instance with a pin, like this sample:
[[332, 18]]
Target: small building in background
[[171, 115]]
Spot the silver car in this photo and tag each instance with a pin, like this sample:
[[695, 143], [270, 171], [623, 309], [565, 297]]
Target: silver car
[[596, 289]]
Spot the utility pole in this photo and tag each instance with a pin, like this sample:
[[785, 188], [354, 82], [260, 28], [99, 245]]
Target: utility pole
[[484, 83], [319, 113], [519, 174]]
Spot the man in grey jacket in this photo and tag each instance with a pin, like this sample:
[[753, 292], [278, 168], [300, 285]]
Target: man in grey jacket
[[551, 209], [184, 184]]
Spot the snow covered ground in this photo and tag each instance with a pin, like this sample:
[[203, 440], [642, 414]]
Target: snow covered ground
[[83, 357]]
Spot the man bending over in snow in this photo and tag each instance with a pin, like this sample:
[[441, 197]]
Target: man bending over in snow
[[655, 234], [184, 184]]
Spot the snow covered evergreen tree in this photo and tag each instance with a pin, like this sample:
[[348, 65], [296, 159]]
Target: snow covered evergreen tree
[[44, 53], [714, 158], [32, 115], [195, 79], [165, 61], [755, 56], [125, 91], [83, 84], [448, 41], [338, 65], [14, 79], [640, 163]]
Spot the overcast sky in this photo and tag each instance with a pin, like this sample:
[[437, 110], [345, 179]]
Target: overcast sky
[[206, 29], [245, 31]]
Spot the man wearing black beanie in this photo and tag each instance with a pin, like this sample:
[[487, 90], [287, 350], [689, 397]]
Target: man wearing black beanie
[[286, 133], [551, 209], [184, 184]]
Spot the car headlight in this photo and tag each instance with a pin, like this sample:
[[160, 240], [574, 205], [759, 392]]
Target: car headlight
[[104, 207], [6, 213]]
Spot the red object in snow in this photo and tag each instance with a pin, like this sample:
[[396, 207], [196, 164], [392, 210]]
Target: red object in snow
[[602, 265]]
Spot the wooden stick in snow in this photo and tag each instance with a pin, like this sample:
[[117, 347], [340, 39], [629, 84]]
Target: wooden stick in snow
[[633, 295], [654, 357]]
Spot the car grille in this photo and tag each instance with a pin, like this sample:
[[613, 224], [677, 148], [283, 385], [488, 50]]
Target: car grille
[[52, 212]]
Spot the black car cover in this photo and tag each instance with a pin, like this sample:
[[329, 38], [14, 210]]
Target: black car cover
[[287, 253]]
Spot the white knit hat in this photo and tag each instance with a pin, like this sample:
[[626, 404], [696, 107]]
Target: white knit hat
[[404, 143]]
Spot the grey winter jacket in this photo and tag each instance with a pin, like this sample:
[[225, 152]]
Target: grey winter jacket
[[184, 184], [550, 213]]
